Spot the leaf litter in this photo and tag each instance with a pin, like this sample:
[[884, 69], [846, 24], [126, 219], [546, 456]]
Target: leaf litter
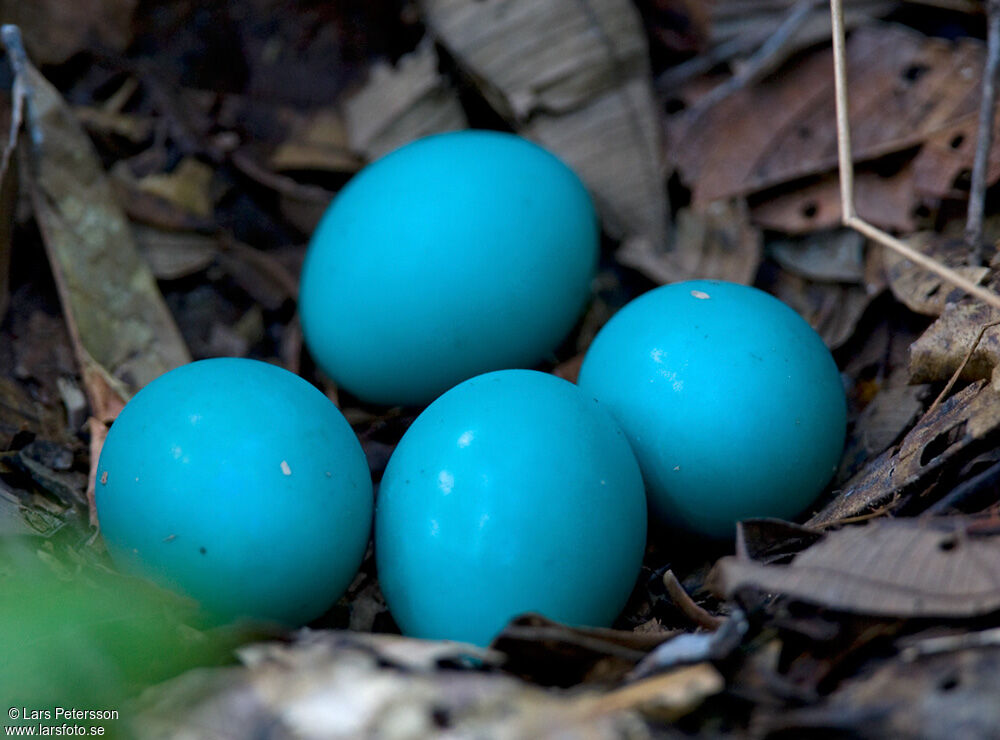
[[174, 216]]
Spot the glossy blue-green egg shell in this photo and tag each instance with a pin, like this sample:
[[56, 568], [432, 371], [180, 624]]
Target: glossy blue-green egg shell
[[513, 492], [452, 256], [733, 404], [239, 484]]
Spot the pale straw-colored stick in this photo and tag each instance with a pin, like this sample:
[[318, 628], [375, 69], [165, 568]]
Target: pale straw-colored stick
[[850, 217]]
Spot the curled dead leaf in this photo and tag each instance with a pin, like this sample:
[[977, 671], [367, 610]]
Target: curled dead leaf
[[894, 568], [575, 78], [938, 352], [940, 438]]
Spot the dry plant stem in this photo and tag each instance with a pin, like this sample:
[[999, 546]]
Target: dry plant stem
[[968, 356], [984, 137], [683, 601], [922, 260], [846, 168]]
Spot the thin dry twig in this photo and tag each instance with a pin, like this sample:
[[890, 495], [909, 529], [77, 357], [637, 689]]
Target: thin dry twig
[[968, 356], [846, 169], [984, 136], [683, 601], [771, 54]]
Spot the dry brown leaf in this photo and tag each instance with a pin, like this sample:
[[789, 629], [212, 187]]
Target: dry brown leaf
[[718, 243], [575, 78], [136, 129], [55, 30], [893, 410], [146, 208], [946, 157], [886, 202], [122, 331], [892, 568], [938, 352], [173, 254], [923, 291], [402, 103], [188, 187], [939, 438], [119, 323], [904, 89]]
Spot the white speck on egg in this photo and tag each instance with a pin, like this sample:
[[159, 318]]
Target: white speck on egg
[[700, 295], [329, 474], [677, 468], [446, 482], [286, 468], [104, 477]]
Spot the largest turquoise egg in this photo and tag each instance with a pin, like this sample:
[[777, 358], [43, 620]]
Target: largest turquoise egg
[[454, 255]]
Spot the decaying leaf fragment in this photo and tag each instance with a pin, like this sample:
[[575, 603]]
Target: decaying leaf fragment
[[573, 76], [893, 410], [402, 103], [901, 568], [905, 89], [886, 202], [941, 436], [939, 351], [923, 291]]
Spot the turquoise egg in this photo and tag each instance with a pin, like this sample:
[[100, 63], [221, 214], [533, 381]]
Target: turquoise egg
[[513, 492], [239, 484], [452, 256], [732, 403]]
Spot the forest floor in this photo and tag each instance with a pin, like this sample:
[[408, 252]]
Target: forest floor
[[199, 143]]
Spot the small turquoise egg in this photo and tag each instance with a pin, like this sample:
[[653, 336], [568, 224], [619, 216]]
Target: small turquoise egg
[[239, 484], [452, 256], [732, 403], [513, 492]]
